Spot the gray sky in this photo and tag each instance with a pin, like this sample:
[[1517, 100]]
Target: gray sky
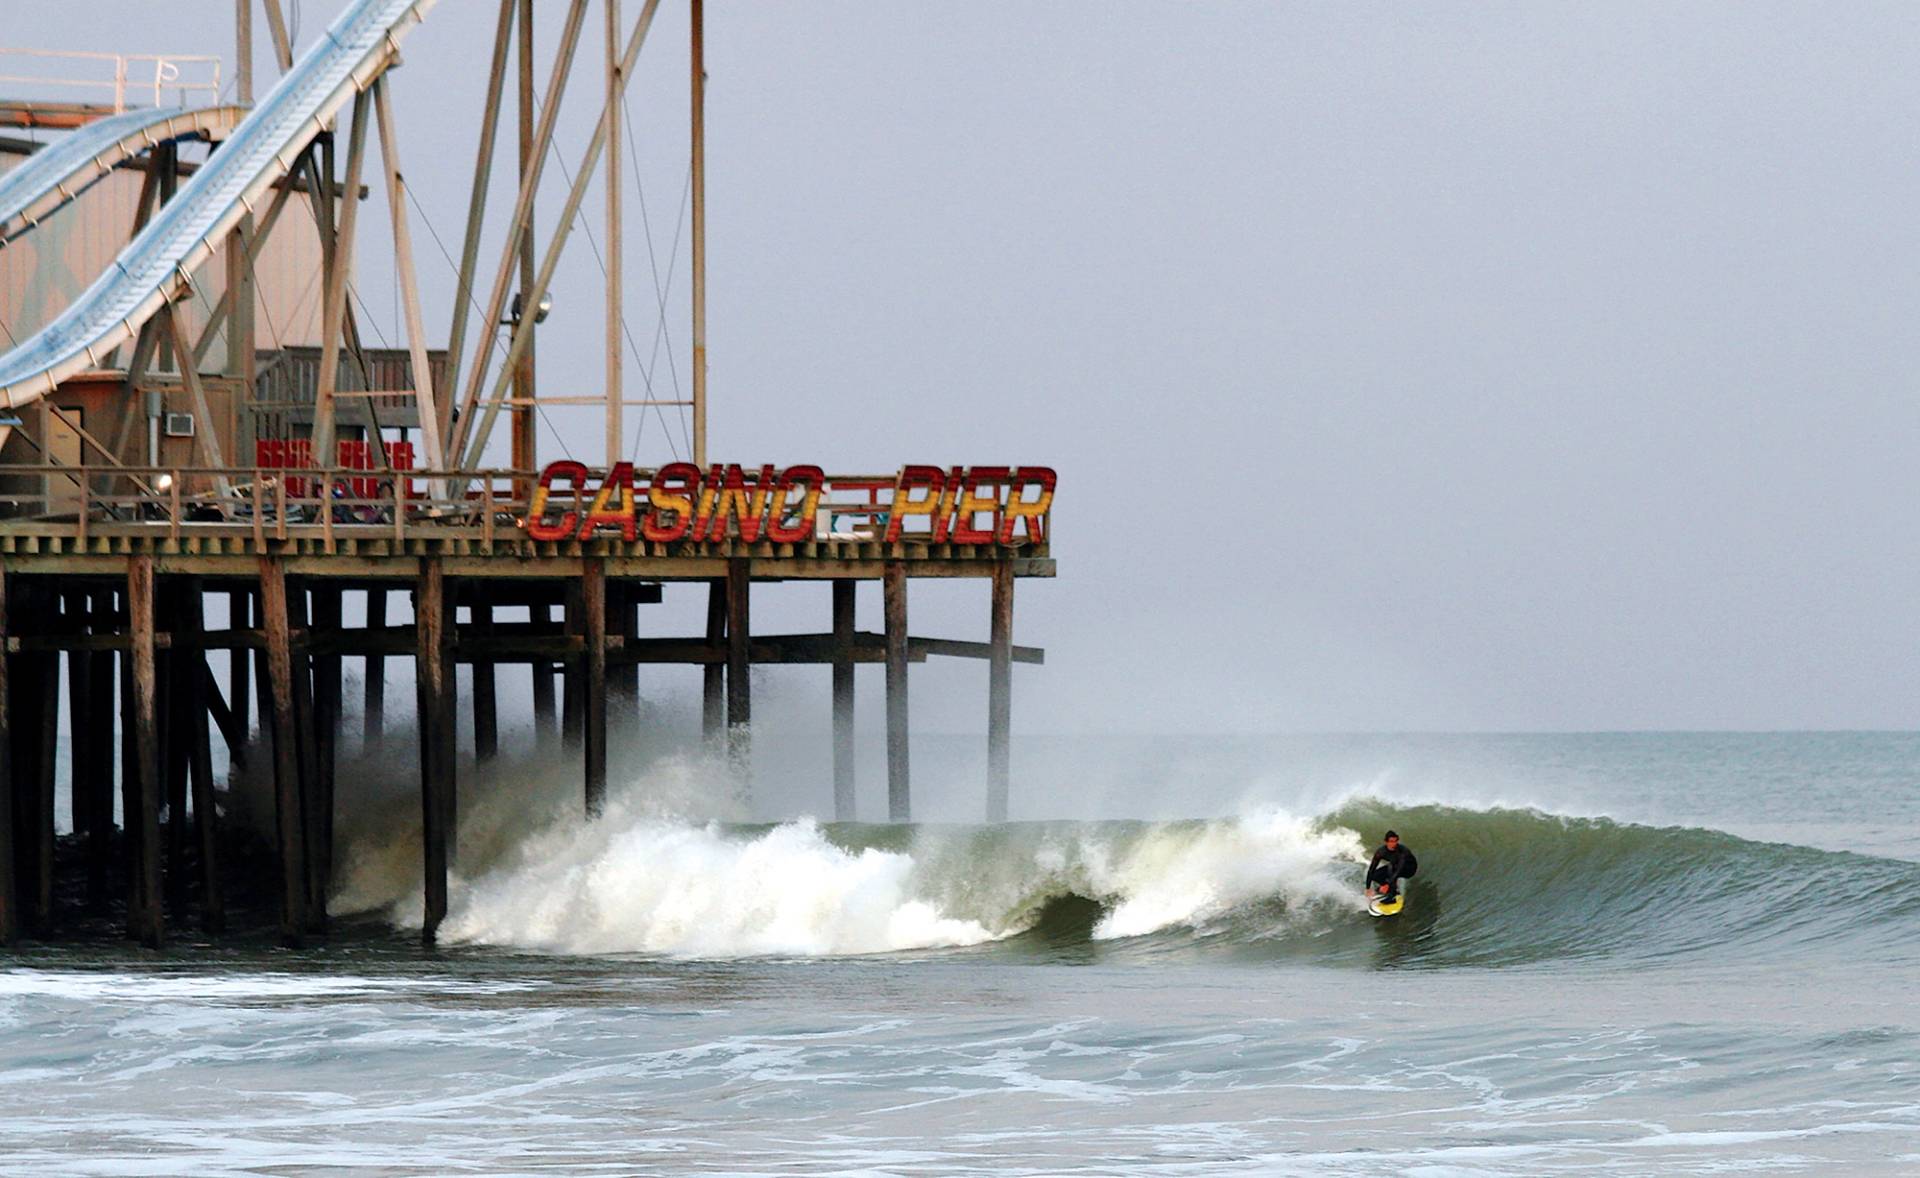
[[1406, 367]]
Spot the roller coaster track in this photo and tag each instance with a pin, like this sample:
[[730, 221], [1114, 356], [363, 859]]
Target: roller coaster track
[[157, 266]]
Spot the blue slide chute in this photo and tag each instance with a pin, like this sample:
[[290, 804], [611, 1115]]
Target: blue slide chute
[[156, 267]]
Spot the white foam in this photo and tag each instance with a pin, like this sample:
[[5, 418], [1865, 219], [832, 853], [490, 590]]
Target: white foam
[[644, 884], [1187, 874], [662, 871], [637, 882]]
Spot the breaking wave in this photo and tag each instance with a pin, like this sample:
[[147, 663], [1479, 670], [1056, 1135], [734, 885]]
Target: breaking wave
[[1497, 887]]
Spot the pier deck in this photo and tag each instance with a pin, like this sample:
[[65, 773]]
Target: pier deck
[[118, 581]]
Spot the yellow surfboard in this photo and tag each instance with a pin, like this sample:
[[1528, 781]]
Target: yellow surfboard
[[1383, 907]]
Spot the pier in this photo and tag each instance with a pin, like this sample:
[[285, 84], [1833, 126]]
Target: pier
[[318, 491], [129, 599]]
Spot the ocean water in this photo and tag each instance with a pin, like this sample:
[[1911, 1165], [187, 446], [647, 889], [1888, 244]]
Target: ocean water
[[1623, 954]]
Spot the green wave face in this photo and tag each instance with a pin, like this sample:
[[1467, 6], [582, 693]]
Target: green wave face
[[1495, 888]]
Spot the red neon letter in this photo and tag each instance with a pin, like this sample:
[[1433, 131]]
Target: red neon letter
[[972, 502], [675, 510], [927, 478], [1034, 511], [813, 479], [537, 526]]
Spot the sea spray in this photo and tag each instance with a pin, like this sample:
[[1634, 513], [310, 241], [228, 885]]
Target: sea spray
[[500, 805]]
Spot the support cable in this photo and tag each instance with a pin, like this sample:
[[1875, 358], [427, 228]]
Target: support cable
[[646, 367], [493, 330]]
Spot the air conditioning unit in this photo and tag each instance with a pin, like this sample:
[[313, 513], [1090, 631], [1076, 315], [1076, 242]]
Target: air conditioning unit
[[179, 425]]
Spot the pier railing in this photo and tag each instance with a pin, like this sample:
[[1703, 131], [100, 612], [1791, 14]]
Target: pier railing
[[329, 505], [131, 79]]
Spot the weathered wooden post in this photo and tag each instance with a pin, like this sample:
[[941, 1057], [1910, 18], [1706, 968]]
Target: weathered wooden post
[[844, 807], [46, 690], [623, 679], [375, 675], [9, 904], [325, 635], [91, 680], [262, 679], [544, 728], [894, 591], [713, 676], [573, 712], [129, 759], [486, 706], [433, 672], [100, 708], [192, 683], [23, 775], [739, 670], [32, 815], [290, 815], [593, 584], [145, 920], [83, 730], [314, 805], [327, 699], [239, 664], [1000, 693], [172, 665]]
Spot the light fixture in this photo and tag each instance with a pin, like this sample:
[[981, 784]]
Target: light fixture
[[518, 310]]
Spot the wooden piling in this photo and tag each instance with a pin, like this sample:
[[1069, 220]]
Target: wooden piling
[[172, 666], [593, 583], [623, 680], [544, 728], [315, 805], [1000, 693], [145, 920], [486, 706], [433, 673], [894, 592], [844, 806], [739, 664], [83, 739], [47, 717], [22, 775], [573, 711], [239, 689], [129, 766], [9, 903], [327, 674], [100, 712], [191, 682], [262, 679], [290, 816], [90, 678], [374, 678], [713, 699]]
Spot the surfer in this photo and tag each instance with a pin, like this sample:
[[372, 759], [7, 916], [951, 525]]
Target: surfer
[[1391, 864]]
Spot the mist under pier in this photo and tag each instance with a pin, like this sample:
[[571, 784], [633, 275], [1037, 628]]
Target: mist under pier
[[124, 605]]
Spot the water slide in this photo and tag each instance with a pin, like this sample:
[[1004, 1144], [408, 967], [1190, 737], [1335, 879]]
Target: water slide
[[65, 168], [156, 266]]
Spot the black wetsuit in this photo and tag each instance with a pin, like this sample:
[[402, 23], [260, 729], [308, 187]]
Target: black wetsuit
[[1389, 867]]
